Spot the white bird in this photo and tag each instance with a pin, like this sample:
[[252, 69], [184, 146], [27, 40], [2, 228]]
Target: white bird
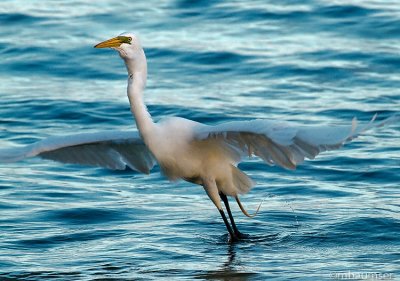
[[188, 150]]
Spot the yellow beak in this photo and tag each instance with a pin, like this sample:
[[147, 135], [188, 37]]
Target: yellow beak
[[114, 42]]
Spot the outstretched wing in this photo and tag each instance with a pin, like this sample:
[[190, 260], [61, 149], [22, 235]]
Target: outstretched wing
[[282, 143], [112, 150]]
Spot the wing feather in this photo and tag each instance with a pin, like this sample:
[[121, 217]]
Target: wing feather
[[110, 149], [277, 143], [281, 143]]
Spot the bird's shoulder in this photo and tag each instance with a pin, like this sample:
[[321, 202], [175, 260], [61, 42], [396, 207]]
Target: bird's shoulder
[[179, 123]]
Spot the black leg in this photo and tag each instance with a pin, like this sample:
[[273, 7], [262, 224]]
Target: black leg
[[232, 234], [228, 209]]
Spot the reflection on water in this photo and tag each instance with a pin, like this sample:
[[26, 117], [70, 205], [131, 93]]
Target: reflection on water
[[230, 269]]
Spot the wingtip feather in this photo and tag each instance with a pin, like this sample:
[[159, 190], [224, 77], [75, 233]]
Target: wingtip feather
[[9, 155]]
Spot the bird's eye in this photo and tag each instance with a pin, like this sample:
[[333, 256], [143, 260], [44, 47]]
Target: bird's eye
[[124, 39]]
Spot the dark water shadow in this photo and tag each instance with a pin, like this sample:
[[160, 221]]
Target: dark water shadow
[[232, 268], [228, 270]]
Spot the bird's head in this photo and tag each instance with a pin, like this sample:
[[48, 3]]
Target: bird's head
[[127, 45]]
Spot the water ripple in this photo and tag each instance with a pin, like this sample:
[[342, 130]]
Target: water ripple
[[210, 61]]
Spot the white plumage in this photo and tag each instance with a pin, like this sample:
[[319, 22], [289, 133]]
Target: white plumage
[[112, 150], [184, 149]]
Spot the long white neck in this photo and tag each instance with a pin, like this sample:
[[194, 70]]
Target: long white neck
[[137, 70]]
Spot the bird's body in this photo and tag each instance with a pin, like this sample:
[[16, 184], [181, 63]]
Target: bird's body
[[173, 141], [198, 161], [188, 150]]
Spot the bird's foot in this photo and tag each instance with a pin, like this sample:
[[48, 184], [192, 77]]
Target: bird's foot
[[242, 236], [238, 236], [233, 239]]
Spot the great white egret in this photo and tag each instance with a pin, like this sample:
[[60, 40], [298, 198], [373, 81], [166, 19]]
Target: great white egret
[[184, 149]]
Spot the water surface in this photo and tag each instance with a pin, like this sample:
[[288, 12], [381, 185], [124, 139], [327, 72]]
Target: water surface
[[316, 62]]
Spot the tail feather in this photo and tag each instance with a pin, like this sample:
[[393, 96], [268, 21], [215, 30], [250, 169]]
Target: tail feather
[[241, 181], [242, 184]]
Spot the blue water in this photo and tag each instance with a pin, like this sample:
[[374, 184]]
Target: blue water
[[309, 61]]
